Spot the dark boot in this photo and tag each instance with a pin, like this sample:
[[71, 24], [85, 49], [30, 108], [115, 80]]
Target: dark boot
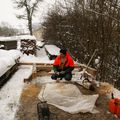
[[54, 77], [68, 76]]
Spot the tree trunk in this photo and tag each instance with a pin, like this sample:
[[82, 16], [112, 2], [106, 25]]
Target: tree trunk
[[29, 18], [30, 26]]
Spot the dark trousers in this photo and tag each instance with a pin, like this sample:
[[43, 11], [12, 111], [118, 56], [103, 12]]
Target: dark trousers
[[67, 76]]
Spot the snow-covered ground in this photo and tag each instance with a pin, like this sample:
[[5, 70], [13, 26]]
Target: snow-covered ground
[[53, 49], [11, 92], [8, 57], [41, 57]]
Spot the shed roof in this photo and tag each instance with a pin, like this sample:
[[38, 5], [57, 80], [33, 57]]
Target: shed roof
[[20, 37]]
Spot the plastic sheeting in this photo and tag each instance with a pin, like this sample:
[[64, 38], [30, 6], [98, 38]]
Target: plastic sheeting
[[68, 98]]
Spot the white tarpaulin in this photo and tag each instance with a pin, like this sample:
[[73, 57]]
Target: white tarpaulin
[[68, 98]]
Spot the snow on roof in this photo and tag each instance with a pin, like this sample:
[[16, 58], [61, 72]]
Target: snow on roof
[[52, 49], [1, 46], [15, 38], [8, 39], [7, 59], [30, 37]]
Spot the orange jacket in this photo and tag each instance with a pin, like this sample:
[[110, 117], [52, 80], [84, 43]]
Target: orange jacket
[[68, 63]]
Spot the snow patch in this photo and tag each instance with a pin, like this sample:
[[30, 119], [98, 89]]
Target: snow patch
[[41, 58], [7, 59], [10, 94], [20, 37], [52, 49]]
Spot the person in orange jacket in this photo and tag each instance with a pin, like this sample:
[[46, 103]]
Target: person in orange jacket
[[63, 66]]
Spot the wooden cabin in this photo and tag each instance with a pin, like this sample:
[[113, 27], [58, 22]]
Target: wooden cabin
[[25, 43], [8, 43]]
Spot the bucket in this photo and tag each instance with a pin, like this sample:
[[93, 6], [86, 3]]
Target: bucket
[[114, 106]]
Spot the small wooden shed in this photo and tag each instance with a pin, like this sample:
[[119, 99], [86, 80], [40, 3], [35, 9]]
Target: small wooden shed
[[8, 43], [25, 43]]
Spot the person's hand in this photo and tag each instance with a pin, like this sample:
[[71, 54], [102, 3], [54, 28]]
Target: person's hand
[[57, 73], [62, 72]]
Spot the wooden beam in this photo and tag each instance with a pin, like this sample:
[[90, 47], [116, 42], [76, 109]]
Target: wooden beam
[[25, 63], [48, 66], [90, 70]]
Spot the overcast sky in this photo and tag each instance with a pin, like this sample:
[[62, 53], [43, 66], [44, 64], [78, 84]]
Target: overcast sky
[[7, 13]]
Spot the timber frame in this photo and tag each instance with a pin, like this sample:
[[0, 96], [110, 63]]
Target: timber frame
[[48, 67]]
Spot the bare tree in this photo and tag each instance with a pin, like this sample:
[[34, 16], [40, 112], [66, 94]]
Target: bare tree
[[30, 7], [86, 26]]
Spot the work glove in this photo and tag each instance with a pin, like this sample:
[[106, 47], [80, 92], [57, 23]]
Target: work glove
[[57, 73], [62, 72]]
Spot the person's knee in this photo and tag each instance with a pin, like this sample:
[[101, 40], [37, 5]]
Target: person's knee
[[68, 77], [54, 77]]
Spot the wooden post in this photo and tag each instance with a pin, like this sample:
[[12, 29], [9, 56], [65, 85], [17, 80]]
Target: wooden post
[[34, 71]]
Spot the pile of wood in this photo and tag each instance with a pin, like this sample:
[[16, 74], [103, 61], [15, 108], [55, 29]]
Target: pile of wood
[[28, 46]]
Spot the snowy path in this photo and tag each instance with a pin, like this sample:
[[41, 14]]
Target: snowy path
[[11, 92], [41, 57]]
